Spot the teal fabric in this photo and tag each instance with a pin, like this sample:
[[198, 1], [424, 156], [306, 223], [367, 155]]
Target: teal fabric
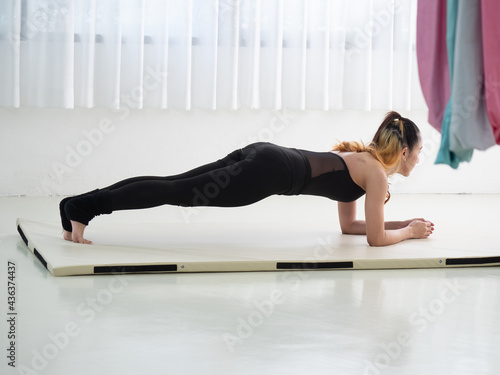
[[445, 155]]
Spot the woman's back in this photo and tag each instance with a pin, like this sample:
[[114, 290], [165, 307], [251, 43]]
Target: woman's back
[[331, 178]]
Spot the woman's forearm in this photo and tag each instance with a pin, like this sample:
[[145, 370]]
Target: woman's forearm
[[395, 224], [359, 226], [391, 237], [394, 231]]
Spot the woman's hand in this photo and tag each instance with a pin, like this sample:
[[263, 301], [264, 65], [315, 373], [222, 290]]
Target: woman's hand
[[421, 228]]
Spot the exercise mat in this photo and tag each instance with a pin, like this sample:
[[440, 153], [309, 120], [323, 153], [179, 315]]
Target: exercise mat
[[239, 247]]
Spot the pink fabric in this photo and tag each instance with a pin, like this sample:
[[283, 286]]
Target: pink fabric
[[432, 58], [491, 51]]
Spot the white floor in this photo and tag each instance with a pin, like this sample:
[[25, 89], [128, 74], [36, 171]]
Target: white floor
[[414, 321]]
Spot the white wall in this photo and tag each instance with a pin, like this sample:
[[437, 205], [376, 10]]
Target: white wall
[[60, 152]]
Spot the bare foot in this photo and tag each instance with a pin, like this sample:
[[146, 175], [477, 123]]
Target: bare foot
[[67, 235], [77, 233]]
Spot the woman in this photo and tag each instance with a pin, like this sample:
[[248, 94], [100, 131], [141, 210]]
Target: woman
[[262, 169]]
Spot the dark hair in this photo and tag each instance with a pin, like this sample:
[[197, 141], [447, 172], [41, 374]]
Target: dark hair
[[395, 133]]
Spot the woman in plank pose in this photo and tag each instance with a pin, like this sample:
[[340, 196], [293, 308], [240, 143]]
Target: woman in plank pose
[[260, 170]]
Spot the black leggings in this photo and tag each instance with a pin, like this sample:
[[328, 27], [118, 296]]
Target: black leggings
[[241, 178]]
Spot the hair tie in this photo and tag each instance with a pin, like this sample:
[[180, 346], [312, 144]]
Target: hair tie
[[401, 125]]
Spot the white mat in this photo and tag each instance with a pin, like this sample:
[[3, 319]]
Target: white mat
[[226, 247]]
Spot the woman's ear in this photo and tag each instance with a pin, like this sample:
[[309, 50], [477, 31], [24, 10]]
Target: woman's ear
[[405, 153]]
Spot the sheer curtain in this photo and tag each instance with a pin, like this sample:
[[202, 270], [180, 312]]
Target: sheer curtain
[[214, 54]]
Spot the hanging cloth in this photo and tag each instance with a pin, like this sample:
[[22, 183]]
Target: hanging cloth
[[432, 58], [490, 10], [460, 82], [445, 155], [469, 125]]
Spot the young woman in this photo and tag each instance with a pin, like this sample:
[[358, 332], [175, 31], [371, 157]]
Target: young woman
[[260, 170]]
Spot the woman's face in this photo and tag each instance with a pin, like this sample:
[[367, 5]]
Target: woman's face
[[409, 159]]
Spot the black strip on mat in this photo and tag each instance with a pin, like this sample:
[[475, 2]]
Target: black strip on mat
[[136, 269], [465, 261], [22, 235], [313, 265], [40, 257]]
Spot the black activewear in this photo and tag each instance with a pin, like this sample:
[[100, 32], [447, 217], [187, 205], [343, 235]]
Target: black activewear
[[243, 177], [330, 178]]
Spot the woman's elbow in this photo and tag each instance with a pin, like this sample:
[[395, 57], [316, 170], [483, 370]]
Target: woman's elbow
[[353, 228], [374, 242], [347, 229]]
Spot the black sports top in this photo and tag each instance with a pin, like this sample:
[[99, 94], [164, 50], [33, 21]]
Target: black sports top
[[330, 177]]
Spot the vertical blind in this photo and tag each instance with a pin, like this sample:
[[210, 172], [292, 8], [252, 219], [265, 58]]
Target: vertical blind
[[214, 54]]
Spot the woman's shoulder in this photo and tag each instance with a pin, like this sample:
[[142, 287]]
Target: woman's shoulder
[[364, 169], [363, 160]]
